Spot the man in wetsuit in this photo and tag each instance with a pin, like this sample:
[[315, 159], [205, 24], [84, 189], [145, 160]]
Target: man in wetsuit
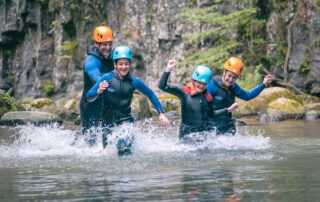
[[224, 89], [196, 102], [98, 62], [116, 90]]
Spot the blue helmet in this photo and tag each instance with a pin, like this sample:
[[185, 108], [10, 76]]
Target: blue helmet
[[202, 74], [122, 52]]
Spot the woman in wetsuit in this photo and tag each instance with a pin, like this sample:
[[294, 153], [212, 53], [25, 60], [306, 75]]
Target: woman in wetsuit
[[116, 89]]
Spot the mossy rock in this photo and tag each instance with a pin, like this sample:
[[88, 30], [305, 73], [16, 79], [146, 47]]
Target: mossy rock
[[309, 99], [61, 102], [33, 117], [313, 115], [170, 103], [40, 102], [259, 105], [313, 106], [140, 107], [285, 109]]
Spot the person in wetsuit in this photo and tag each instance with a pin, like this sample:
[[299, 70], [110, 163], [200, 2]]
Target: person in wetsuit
[[98, 62], [224, 89], [116, 90], [196, 102]]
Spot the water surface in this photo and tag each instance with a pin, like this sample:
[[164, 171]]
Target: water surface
[[276, 161]]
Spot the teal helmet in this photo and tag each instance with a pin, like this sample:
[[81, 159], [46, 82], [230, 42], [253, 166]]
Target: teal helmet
[[122, 52], [202, 74]]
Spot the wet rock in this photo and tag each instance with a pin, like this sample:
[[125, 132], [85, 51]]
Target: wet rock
[[313, 115], [313, 106], [33, 117], [259, 105], [282, 109], [170, 103], [140, 107]]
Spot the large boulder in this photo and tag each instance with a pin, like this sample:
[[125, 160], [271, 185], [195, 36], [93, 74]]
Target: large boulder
[[283, 108], [33, 117], [259, 105]]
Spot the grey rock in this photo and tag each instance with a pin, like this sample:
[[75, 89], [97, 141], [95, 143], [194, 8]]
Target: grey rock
[[25, 117]]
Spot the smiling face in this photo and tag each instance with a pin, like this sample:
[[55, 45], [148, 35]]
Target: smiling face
[[123, 67], [228, 78], [199, 86], [105, 48]]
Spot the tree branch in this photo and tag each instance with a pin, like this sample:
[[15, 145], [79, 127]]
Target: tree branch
[[282, 82]]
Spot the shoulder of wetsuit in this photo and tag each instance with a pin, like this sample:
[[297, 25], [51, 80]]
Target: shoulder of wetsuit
[[186, 89]]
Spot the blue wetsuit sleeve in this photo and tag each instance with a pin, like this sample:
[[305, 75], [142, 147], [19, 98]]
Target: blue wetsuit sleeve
[[92, 68], [92, 93], [248, 95], [174, 90], [211, 88], [140, 86]]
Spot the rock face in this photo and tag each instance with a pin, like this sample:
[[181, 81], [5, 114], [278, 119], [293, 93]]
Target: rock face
[[24, 117], [43, 43]]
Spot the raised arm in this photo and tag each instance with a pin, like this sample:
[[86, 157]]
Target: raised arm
[[177, 91]]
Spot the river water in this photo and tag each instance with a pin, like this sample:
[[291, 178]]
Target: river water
[[278, 161]]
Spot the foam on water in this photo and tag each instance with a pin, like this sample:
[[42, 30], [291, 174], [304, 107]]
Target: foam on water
[[53, 140]]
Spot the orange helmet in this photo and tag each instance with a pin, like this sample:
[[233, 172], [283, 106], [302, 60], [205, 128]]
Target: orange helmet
[[234, 65], [102, 34]]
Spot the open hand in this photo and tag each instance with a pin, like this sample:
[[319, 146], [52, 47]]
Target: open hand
[[163, 118], [102, 86], [171, 64], [267, 80]]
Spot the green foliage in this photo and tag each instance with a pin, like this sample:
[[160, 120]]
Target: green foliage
[[10, 101], [304, 66], [250, 77], [53, 26], [48, 87], [68, 48], [281, 5], [282, 51], [316, 4], [224, 35]]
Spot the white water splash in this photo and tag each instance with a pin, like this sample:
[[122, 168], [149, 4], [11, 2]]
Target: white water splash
[[53, 140]]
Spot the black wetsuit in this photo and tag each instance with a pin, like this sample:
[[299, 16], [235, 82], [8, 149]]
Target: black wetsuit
[[117, 99], [195, 108], [223, 99], [94, 67]]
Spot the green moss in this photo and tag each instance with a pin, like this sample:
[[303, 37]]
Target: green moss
[[41, 102], [48, 87], [282, 51], [304, 66], [69, 50], [286, 106]]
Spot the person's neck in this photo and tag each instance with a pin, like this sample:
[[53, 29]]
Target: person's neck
[[223, 82]]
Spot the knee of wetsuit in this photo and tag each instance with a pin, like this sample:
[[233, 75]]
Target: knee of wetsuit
[[123, 147]]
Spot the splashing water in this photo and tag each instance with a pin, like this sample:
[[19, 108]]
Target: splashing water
[[53, 140]]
